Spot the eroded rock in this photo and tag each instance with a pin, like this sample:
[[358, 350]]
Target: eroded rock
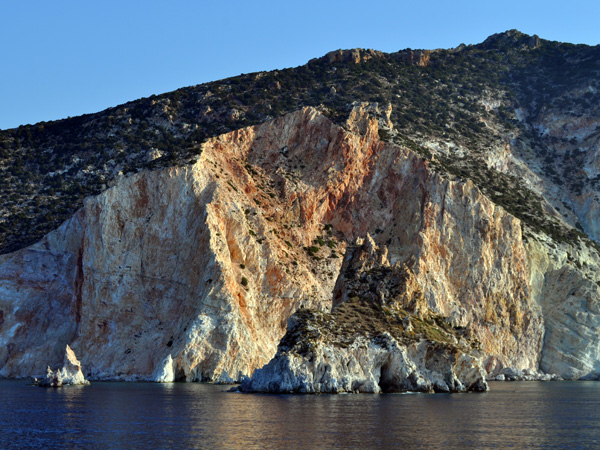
[[70, 374], [204, 263], [321, 355], [369, 343]]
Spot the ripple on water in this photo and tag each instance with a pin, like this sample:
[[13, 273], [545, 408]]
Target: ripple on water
[[185, 416]]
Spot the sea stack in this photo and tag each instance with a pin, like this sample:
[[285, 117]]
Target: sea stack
[[70, 374]]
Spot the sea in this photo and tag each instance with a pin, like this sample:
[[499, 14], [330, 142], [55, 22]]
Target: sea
[[146, 416]]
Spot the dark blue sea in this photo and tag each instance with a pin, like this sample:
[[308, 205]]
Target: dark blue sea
[[148, 416]]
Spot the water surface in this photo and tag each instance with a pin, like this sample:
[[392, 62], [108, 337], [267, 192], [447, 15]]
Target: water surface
[[149, 416]]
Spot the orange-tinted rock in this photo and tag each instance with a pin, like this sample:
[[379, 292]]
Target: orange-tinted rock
[[192, 272]]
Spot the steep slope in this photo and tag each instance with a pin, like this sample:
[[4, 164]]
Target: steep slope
[[369, 343], [192, 272], [516, 114], [198, 266]]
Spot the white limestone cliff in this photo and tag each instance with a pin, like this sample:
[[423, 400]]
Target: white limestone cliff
[[368, 366], [205, 263]]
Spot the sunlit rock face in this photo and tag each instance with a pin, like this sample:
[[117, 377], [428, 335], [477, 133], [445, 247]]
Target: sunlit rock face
[[366, 366], [373, 341], [69, 374], [191, 272]]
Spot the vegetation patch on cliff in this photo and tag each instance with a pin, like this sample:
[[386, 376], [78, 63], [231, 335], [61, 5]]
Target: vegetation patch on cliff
[[472, 96], [357, 317]]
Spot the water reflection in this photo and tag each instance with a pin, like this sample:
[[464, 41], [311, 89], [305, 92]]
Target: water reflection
[[185, 416]]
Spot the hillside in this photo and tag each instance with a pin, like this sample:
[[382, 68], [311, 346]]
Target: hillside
[[516, 114], [199, 220]]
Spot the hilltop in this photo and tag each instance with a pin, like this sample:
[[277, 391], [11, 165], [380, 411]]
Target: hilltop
[[172, 237], [515, 113]]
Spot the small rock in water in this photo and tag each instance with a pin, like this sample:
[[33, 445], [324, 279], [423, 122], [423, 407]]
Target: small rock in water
[[70, 373]]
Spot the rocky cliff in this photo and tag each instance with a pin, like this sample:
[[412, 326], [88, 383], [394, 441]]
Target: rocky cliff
[[369, 343], [191, 272], [376, 364]]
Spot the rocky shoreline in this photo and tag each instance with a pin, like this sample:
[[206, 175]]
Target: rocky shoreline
[[512, 374], [374, 364]]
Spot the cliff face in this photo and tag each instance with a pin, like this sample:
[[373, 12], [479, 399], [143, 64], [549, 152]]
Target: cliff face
[[378, 340], [191, 272], [198, 267], [40, 301], [565, 283]]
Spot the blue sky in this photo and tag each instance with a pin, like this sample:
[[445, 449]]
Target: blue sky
[[65, 58]]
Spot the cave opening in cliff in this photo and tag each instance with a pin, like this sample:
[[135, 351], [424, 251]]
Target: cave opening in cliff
[[386, 378], [180, 374]]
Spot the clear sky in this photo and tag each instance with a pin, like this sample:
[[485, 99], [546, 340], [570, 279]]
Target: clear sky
[[63, 58]]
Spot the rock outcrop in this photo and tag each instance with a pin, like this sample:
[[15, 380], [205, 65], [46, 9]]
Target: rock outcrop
[[376, 365], [70, 374], [191, 272], [369, 343], [512, 374]]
